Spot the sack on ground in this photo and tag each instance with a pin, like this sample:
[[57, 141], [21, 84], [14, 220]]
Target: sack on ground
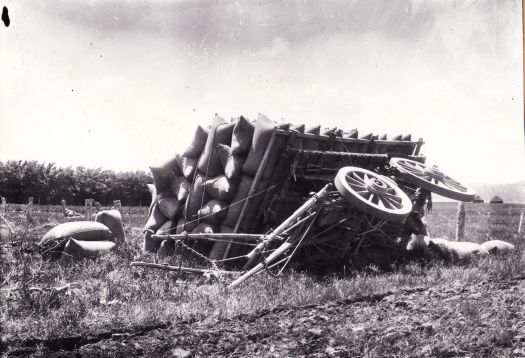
[[113, 220], [76, 249]]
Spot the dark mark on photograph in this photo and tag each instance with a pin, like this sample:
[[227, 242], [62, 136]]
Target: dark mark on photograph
[[5, 17]]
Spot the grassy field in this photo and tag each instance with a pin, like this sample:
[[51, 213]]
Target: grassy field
[[107, 295]]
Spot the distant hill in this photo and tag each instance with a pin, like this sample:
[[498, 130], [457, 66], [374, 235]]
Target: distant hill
[[510, 193]]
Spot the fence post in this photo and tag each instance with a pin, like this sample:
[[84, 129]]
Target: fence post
[[520, 224], [88, 203], [460, 224], [63, 203], [29, 209], [489, 222], [117, 205]]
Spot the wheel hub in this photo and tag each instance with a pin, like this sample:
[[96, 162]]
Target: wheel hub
[[376, 186], [434, 172]]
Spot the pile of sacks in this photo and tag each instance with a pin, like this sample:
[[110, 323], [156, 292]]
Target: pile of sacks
[[203, 189], [80, 239], [459, 251]]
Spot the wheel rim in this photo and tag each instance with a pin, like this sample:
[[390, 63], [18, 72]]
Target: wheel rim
[[373, 193], [432, 179]]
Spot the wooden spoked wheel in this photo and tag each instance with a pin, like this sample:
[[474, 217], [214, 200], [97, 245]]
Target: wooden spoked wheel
[[373, 193], [431, 178]]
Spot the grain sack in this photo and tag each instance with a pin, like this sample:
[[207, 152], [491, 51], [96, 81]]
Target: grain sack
[[212, 212], [498, 247], [180, 187], [205, 228], [352, 133], [238, 201], [224, 154], [233, 169], [182, 226], [153, 192], [396, 137], [366, 136], [188, 166], [221, 188], [198, 143], [113, 220], [296, 141], [328, 131], [150, 245], [253, 207], [278, 146], [80, 230], [407, 137], [242, 136], [196, 199], [166, 249], [156, 219], [170, 207], [218, 248], [76, 249], [168, 228], [382, 137], [220, 133], [261, 135], [312, 144]]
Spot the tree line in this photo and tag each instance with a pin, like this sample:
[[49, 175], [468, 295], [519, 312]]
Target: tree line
[[49, 184]]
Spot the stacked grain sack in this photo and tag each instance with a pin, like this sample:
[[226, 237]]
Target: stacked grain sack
[[204, 189]]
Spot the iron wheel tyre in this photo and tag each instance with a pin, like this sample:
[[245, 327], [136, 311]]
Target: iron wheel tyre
[[373, 194], [431, 178]]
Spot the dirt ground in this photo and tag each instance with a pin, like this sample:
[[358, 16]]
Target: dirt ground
[[486, 319]]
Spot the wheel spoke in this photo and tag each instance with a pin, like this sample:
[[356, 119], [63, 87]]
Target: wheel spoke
[[353, 181], [394, 203], [393, 197]]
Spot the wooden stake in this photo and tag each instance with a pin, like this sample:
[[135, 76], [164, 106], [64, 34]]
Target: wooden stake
[[29, 209], [460, 224], [520, 224], [88, 204], [63, 203], [489, 222]]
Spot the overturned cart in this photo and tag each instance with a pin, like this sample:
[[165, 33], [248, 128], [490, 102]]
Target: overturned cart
[[248, 197]]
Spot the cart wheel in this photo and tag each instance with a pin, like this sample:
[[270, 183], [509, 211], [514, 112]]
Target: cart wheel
[[431, 178], [373, 193]]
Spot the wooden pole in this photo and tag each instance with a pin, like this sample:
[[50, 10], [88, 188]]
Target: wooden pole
[[460, 224], [63, 203], [520, 224], [88, 204], [489, 222], [29, 209]]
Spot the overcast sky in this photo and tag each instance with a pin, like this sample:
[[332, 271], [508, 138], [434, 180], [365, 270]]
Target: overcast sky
[[122, 84]]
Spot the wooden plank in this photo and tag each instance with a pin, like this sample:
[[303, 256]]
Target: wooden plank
[[255, 183]]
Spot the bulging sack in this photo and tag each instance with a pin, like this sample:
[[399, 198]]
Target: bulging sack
[[188, 166], [79, 230], [205, 228], [220, 133], [183, 225], [150, 245], [113, 220], [168, 228], [77, 249], [180, 186], [231, 163], [312, 144], [263, 132], [197, 197], [407, 137], [155, 220], [164, 173], [242, 136], [221, 188], [170, 207], [237, 203], [198, 143], [153, 192], [212, 212], [352, 133]]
